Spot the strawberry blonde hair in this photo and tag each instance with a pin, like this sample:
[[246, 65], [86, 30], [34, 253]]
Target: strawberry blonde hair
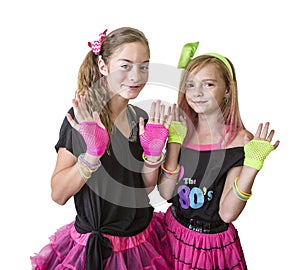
[[230, 111]]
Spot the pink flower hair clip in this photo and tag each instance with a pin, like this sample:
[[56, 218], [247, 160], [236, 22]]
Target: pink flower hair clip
[[96, 46]]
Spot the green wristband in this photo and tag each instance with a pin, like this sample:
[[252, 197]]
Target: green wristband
[[256, 152], [177, 132]]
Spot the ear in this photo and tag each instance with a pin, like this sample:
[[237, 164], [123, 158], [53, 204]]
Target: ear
[[227, 93], [102, 67]]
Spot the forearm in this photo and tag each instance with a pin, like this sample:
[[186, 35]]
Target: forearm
[[231, 206], [168, 182], [150, 176], [150, 170], [67, 179], [65, 184]]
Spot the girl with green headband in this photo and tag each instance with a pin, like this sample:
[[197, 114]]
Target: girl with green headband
[[210, 166]]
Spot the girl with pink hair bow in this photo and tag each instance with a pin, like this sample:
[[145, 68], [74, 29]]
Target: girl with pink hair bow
[[108, 155]]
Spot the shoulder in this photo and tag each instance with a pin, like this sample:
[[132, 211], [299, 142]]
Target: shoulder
[[71, 111], [242, 138], [66, 123]]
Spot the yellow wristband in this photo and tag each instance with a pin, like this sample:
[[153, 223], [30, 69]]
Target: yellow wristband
[[240, 194], [170, 172]]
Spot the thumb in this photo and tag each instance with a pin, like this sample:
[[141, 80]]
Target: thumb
[[97, 119], [72, 121], [183, 120], [168, 121], [246, 139], [141, 125]]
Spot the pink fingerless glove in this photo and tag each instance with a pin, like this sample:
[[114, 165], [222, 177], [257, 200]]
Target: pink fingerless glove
[[154, 139], [95, 137]]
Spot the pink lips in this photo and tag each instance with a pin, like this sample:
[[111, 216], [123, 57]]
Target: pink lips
[[134, 87], [199, 102]]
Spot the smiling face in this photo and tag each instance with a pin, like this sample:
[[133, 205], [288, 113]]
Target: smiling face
[[127, 70], [205, 90]]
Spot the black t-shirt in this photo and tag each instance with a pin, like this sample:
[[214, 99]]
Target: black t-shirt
[[198, 194], [113, 200]]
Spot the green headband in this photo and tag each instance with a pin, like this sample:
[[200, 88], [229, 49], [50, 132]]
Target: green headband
[[189, 50]]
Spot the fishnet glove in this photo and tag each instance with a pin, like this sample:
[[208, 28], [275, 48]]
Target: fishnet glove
[[256, 152], [153, 139], [95, 137], [177, 132]]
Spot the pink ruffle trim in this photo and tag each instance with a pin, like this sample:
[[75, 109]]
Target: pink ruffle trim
[[194, 250], [145, 250]]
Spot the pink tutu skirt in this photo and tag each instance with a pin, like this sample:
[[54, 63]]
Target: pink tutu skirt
[[201, 251], [66, 249]]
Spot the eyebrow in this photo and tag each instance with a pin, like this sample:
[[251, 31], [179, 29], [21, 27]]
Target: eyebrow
[[204, 80], [126, 60]]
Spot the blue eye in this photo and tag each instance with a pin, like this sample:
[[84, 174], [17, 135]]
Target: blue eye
[[125, 67], [189, 85], [144, 68]]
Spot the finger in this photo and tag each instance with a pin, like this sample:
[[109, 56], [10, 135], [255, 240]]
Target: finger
[[162, 114], [173, 112], [83, 108], [72, 122], [183, 120], [152, 112], [265, 130], [141, 125], [276, 144], [166, 117], [157, 112], [168, 121], [75, 105], [177, 114], [97, 119], [78, 101], [258, 131], [77, 108], [246, 139], [169, 110], [270, 136]]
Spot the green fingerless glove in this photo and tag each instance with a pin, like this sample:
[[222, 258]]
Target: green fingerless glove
[[256, 152], [177, 132]]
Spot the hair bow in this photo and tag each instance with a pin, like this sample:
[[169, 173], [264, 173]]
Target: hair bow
[[187, 54], [96, 46]]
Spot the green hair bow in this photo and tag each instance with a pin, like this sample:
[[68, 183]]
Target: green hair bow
[[187, 54]]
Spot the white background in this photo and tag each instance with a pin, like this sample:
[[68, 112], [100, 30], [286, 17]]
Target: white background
[[42, 46]]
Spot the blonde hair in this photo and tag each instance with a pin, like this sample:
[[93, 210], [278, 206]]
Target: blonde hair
[[92, 85], [230, 111]]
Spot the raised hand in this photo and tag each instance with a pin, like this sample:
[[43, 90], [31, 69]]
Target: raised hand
[[178, 127], [259, 147], [90, 127], [153, 136]]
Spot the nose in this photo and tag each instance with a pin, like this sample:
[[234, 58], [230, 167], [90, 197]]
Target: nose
[[134, 74], [198, 92]]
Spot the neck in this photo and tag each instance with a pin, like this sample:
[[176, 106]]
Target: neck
[[209, 124], [118, 107], [208, 131]]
